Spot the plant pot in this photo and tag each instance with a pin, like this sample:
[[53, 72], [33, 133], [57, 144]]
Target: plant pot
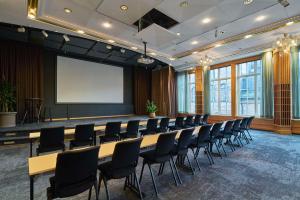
[[7, 119], [152, 115]]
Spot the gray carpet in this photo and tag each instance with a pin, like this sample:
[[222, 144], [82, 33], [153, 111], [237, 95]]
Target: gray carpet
[[268, 168]]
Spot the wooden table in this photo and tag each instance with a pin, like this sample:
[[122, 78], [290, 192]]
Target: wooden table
[[46, 163], [33, 136]]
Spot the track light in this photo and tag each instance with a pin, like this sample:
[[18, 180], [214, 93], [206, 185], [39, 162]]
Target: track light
[[45, 33], [284, 3], [66, 38], [21, 29]]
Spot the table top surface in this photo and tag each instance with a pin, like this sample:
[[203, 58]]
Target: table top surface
[[47, 163]]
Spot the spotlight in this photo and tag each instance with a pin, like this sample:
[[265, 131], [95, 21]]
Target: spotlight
[[284, 3], [21, 29], [45, 33], [122, 51], [66, 38], [108, 46]]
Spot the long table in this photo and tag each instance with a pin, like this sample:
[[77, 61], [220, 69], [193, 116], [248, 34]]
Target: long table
[[33, 136], [39, 165]]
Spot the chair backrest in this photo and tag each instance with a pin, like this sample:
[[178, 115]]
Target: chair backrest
[[236, 124], [215, 130], [189, 120], [132, 128], [74, 169], [204, 134], [197, 119], [84, 132], [152, 125], [165, 144], [228, 127], [179, 122], [244, 123], [113, 128], [164, 124], [185, 139], [205, 118], [125, 157], [250, 120], [52, 137]]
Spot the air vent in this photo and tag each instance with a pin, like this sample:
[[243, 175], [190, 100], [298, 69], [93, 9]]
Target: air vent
[[157, 17]]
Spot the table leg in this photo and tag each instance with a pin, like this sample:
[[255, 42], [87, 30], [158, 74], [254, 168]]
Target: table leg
[[31, 187]]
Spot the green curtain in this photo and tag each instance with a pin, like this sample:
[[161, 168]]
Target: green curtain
[[295, 82], [206, 90], [267, 86]]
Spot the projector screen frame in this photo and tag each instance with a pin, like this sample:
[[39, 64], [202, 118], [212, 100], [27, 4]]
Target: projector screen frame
[[86, 103]]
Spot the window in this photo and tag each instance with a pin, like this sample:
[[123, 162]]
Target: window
[[249, 83], [186, 92], [220, 91]]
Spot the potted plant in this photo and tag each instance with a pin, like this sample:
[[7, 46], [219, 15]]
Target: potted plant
[[151, 108], [7, 105]]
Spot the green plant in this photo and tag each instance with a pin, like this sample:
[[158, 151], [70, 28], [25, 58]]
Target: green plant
[[151, 107], [7, 97]]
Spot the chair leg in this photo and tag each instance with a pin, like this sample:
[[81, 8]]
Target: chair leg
[[153, 181], [210, 158], [195, 158], [106, 188], [221, 142], [141, 175], [173, 173], [190, 164], [176, 170], [99, 184], [126, 183], [138, 185], [218, 150], [90, 193], [96, 190], [249, 134], [161, 169]]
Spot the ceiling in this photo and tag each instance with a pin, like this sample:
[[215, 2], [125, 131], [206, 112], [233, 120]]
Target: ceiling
[[201, 25]]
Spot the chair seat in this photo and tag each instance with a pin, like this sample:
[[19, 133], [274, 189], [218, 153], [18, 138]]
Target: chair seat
[[150, 157], [106, 170], [48, 149], [108, 138]]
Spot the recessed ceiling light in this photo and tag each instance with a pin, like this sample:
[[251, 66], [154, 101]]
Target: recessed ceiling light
[[32, 13], [153, 54], [289, 23], [134, 48], [184, 4], [106, 24], [111, 41], [218, 45], [80, 31], [194, 42], [206, 20], [171, 58], [67, 10], [260, 18], [178, 34], [195, 52], [31, 16], [247, 2], [124, 7], [248, 36]]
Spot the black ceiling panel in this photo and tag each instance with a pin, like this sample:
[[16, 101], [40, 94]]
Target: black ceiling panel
[[97, 54], [74, 49], [116, 58], [101, 47], [55, 37], [80, 42], [51, 44]]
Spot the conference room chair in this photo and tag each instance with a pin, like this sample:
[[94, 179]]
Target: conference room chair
[[151, 127], [112, 132], [161, 154], [227, 134], [84, 135], [250, 120], [201, 141], [179, 124], [51, 139], [123, 165], [235, 132], [214, 133], [163, 125], [181, 148], [75, 172], [132, 129], [242, 129], [197, 120], [204, 119], [188, 122]]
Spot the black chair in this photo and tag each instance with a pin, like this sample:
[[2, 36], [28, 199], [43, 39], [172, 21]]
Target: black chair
[[161, 154], [235, 131], [132, 129], [197, 120], [202, 141], [75, 172], [112, 132], [250, 120], [84, 135], [181, 147], [163, 125], [214, 133], [188, 122], [123, 164], [226, 134], [204, 119], [151, 127], [179, 124], [51, 139], [242, 129]]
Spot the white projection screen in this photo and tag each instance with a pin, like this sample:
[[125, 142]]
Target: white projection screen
[[79, 81]]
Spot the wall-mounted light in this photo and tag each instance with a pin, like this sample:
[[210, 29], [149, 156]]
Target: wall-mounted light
[[45, 34], [66, 38]]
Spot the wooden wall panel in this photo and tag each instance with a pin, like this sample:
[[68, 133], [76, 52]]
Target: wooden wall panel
[[199, 90]]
